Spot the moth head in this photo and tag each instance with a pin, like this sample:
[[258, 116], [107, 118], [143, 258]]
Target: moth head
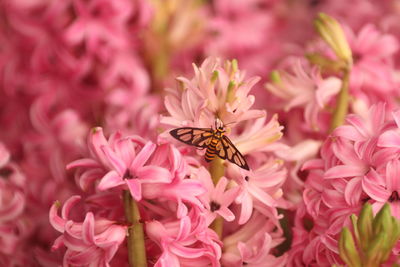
[[219, 125]]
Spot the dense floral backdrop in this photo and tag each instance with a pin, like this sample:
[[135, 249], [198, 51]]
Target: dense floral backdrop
[[306, 91]]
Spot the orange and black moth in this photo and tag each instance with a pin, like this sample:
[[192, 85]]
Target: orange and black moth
[[214, 141]]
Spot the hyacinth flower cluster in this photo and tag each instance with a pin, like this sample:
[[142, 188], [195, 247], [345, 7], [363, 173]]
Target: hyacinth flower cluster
[[305, 170], [176, 210]]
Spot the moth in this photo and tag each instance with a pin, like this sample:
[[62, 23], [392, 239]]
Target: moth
[[214, 140]]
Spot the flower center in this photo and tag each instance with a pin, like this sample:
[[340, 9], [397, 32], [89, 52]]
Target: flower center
[[247, 178], [394, 196], [6, 172], [214, 206], [128, 174]]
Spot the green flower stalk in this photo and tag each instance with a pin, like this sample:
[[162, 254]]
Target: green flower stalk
[[332, 33], [372, 239]]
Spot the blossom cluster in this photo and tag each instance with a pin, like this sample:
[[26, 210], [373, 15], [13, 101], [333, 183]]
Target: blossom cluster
[[198, 133]]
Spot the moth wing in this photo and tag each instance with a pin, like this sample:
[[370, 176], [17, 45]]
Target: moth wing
[[198, 137], [227, 150]]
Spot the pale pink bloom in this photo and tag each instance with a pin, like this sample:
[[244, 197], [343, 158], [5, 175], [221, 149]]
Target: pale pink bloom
[[216, 199], [305, 88], [258, 135], [261, 185], [295, 156], [218, 90], [258, 235], [92, 242], [180, 245]]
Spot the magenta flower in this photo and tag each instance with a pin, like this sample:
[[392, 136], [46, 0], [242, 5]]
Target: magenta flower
[[92, 242], [122, 160]]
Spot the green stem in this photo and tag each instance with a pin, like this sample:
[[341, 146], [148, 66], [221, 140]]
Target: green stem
[[135, 237], [342, 104], [217, 170]]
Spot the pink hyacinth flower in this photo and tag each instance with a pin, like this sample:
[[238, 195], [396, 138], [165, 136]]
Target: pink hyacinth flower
[[92, 242], [218, 89], [180, 244], [216, 200], [307, 89], [385, 189], [124, 160], [262, 185]]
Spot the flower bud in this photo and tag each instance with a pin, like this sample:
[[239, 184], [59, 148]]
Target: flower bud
[[347, 249], [364, 226], [332, 33]]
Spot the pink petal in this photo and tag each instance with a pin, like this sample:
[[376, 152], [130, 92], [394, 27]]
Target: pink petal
[[353, 191], [12, 209], [358, 124], [389, 138], [247, 209], [143, 156], [229, 196], [88, 229], [4, 155], [375, 191], [115, 162], [88, 163], [89, 176], [184, 228], [72, 201], [56, 221], [342, 171], [348, 132], [226, 214], [392, 175], [96, 141], [110, 180], [396, 117], [186, 252], [262, 196], [84, 257], [219, 189], [377, 116], [135, 187], [153, 174], [125, 151], [326, 89]]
